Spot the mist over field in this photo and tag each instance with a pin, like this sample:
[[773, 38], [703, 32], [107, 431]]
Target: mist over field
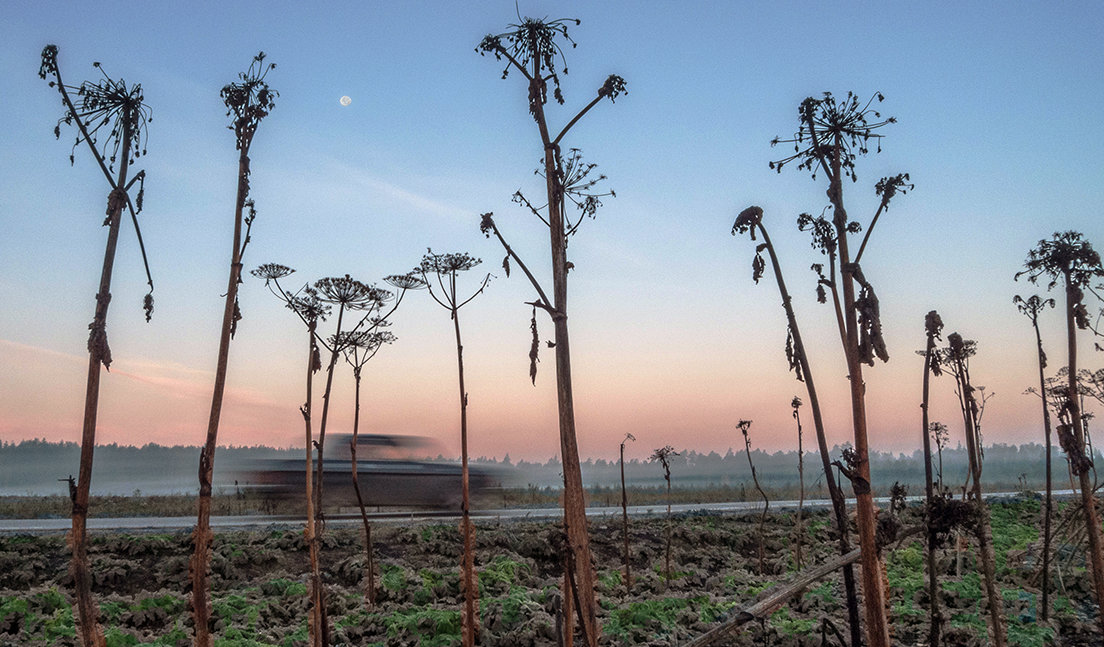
[[38, 468]]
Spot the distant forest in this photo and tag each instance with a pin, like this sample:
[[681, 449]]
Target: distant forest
[[39, 467]]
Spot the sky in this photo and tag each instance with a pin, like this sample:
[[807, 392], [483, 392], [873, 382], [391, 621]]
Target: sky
[[671, 339]]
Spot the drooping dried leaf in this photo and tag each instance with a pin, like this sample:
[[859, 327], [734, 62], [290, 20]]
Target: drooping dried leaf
[[793, 356], [235, 319], [534, 349], [758, 265]]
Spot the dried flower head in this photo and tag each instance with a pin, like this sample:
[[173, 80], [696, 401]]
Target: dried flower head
[[747, 221], [272, 272], [533, 42], [408, 281], [308, 304], [832, 132], [446, 263], [249, 100], [1069, 258], [351, 293], [104, 105]]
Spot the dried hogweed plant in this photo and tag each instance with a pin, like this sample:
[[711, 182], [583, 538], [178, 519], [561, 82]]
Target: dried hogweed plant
[[313, 304], [311, 310], [248, 101], [663, 456], [933, 328], [532, 49], [750, 221], [625, 516], [111, 119], [1031, 308], [443, 269], [955, 359], [1069, 261], [799, 526], [359, 348], [745, 427], [831, 135]]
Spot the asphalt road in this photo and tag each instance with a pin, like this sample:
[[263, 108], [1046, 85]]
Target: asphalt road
[[254, 522]]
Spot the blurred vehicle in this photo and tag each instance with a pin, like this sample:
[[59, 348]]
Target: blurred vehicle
[[390, 469]]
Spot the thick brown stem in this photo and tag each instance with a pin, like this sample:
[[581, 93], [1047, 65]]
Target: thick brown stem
[[91, 634], [202, 537], [984, 530], [877, 625], [1088, 501]]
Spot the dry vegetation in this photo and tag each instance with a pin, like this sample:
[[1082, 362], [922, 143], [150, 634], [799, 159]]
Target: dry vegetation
[[543, 584], [259, 582]]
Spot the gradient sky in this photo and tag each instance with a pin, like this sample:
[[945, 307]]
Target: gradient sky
[[671, 339]]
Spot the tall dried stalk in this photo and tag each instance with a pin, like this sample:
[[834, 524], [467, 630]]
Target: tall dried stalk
[[248, 101], [106, 104], [625, 517], [313, 304], [445, 267], [933, 325], [360, 347], [799, 527], [830, 136], [663, 456], [531, 50], [749, 221], [1070, 260], [311, 310], [745, 426], [1031, 307], [955, 358]]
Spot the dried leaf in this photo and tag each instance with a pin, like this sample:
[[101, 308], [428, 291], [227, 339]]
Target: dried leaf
[[506, 265], [534, 349], [757, 267]]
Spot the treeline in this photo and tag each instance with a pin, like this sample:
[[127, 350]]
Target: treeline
[[35, 467]]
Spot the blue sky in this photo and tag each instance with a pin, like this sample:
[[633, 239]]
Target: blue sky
[[672, 341]]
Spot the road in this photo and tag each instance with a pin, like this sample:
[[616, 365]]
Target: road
[[255, 522]]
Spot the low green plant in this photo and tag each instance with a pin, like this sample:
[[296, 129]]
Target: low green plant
[[504, 570], [1012, 529], [433, 627], [647, 615], [789, 626], [518, 604], [284, 588], [1029, 634], [115, 637], [392, 577], [905, 573], [610, 580]]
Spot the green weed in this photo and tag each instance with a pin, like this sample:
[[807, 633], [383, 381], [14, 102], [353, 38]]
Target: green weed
[[646, 615], [433, 627], [502, 570], [789, 626]]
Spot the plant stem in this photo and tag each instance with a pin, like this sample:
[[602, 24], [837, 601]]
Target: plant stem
[[90, 632], [935, 613]]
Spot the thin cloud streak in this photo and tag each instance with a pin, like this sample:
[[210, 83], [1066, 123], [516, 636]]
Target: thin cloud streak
[[175, 380]]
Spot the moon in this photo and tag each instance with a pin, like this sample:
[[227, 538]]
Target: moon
[[345, 100]]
